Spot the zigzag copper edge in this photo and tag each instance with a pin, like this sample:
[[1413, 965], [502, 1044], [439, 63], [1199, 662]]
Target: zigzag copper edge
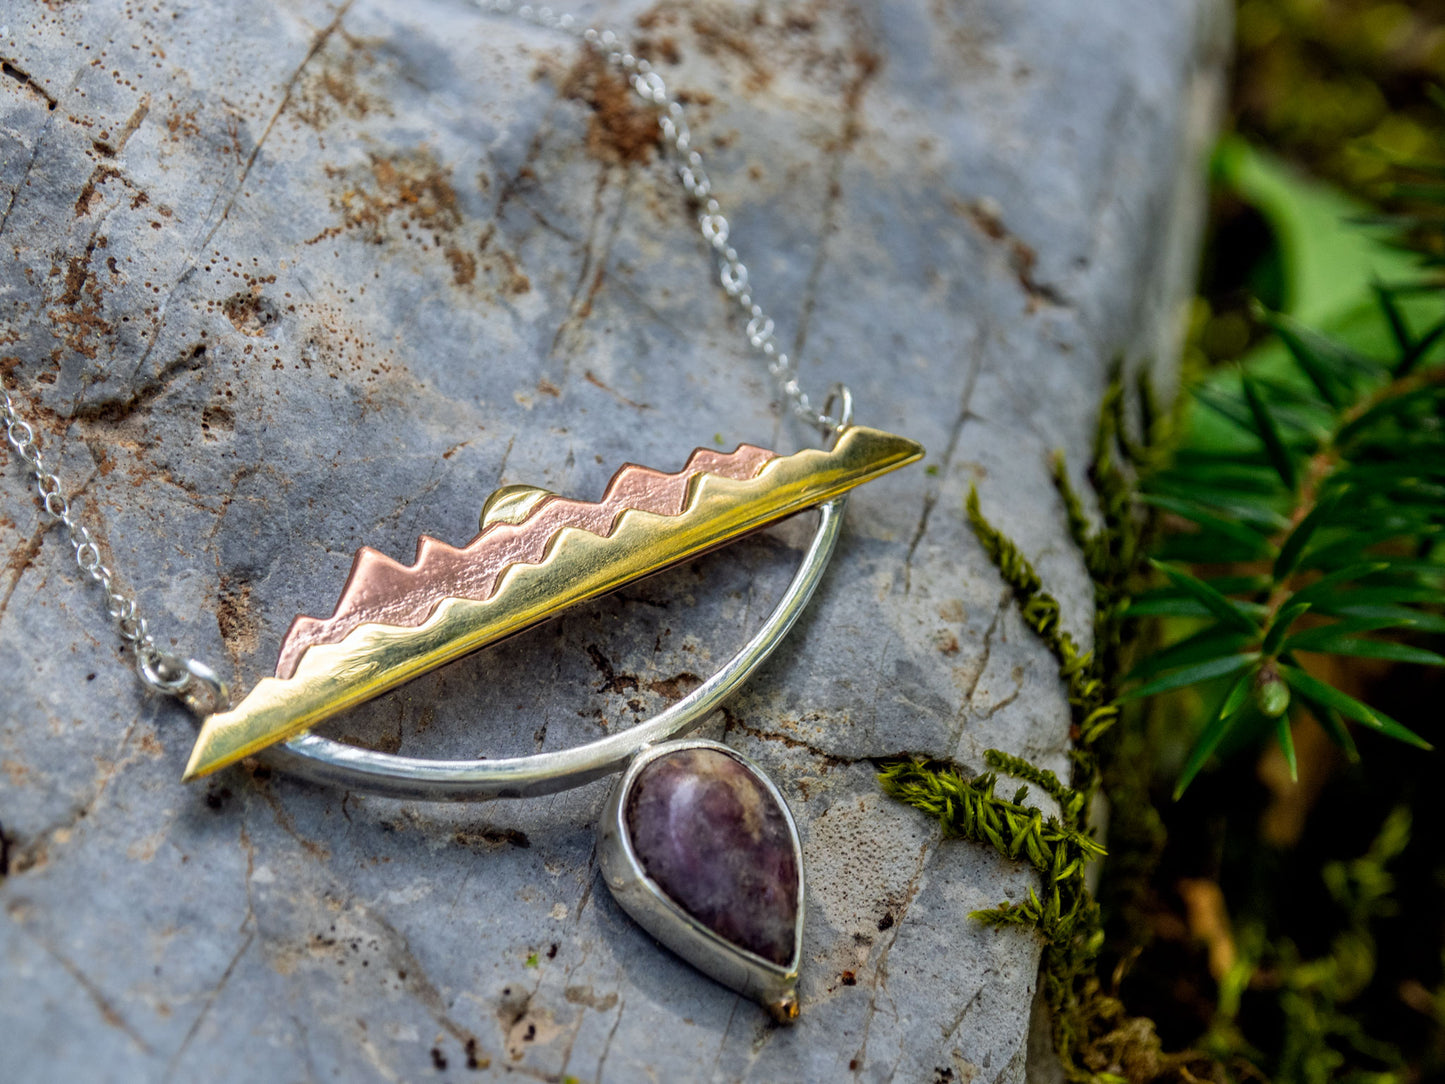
[[380, 590], [374, 659]]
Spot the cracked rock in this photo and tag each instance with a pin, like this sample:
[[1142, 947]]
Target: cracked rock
[[286, 279]]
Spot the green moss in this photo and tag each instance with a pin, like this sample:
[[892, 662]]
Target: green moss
[[1092, 1035], [1053, 845]]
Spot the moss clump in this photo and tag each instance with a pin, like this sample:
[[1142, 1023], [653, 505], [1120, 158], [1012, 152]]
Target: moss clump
[[1093, 1035]]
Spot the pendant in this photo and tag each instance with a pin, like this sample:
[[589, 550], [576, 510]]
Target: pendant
[[700, 848], [695, 843], [536, 554]]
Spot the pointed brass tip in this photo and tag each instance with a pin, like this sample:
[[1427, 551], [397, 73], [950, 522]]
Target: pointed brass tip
[[913, 451], [887, 451], [196, 767], [210, 753]]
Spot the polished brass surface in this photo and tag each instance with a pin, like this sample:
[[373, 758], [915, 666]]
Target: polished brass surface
[[511, 504], [579, 565], [381, 590]]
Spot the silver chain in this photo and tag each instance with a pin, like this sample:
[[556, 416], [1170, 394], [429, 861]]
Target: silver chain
[[672, 119], [195, 682], [159, 670]]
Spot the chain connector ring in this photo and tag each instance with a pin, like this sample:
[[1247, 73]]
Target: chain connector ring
[[832, 428], [190, 681]]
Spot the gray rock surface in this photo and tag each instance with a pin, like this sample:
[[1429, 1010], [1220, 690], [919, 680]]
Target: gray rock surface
[[284, 278]]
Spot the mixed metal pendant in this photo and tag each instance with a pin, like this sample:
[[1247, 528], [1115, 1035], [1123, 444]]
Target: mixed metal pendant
[[695, 842]]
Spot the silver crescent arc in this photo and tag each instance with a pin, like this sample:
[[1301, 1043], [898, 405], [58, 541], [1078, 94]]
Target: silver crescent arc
[[389, 775]]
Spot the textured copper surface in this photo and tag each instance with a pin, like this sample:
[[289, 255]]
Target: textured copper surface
[[382, 590]]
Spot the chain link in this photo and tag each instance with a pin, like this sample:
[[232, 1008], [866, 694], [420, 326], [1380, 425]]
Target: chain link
[[190, 681], [196, 683], [687, 160], [159, 670]]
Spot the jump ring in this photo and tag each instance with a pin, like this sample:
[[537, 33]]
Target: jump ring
[[163, 672], [833, 428]]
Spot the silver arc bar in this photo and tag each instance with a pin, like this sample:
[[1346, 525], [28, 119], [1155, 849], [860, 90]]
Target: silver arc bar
[[389, 775]]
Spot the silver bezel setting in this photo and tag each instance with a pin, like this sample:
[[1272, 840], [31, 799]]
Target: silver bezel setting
[[655, 911]]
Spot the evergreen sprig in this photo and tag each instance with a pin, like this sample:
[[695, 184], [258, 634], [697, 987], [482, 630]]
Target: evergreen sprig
[[1312, 519]]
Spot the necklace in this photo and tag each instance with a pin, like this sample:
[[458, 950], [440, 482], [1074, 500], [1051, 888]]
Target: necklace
[[695, 842]]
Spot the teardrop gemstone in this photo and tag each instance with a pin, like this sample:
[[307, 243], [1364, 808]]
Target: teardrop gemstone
[[711, 835]]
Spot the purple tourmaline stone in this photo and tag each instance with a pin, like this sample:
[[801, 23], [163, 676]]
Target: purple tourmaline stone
[[706, 829]]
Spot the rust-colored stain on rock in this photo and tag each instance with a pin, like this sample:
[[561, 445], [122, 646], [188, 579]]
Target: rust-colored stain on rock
[[621, 129], [407, 191]]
